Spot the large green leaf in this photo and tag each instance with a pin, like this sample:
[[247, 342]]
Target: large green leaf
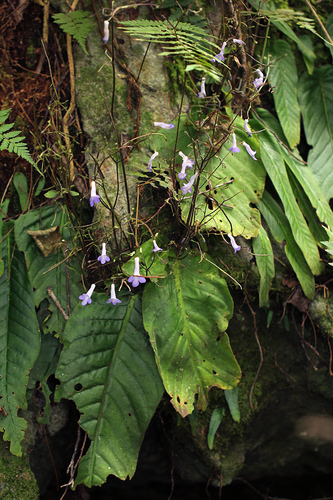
[[273, 160], [329, 27], [107, 367], [309, 60], [230, 208], [50, 270], [300, 170], [185, 316], [19, 341], [265, 261], [283, 75], [315, 95], [280, 229]]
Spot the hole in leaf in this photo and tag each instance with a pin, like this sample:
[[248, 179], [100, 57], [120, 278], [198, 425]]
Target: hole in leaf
[[13, 392], [129, 414], [78, 387], [214, 372], [209, 202], [204, 361], [185, 402], [232, 178], [178, 399], [218, 339], [200, 282]]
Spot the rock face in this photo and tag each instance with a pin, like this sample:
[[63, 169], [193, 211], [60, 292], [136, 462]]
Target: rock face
[[116, 109]]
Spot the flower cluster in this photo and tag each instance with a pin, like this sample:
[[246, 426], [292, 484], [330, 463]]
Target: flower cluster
[[258, 82], [235, 149], [187, 188], [186, 163], [220, 57]]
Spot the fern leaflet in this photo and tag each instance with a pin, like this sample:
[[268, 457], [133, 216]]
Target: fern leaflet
[[75, 24], [182, 39], [11, 139]]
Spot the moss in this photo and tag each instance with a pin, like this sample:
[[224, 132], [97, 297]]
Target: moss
[[175, 69], [17, 482]]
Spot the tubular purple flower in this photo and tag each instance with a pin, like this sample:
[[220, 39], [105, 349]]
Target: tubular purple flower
[[258, 82], [249, 150], [106, 32], [240, 42], [103, 258], [113, 300], [234, 148], [233, 243], [156, 247], [186, 163], [151, 161], [164, 125], [86, 297], [220, 57], [136, 279], [202, 92], [94, 198], [247, 128], [187, 188]]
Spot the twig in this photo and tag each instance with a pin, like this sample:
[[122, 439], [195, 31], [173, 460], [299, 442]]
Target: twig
[[56, 301], [71, 105], [319, 21]]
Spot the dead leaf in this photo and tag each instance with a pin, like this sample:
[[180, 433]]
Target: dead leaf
[[46, 239]]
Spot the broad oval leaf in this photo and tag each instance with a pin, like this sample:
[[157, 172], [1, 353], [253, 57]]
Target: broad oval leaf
[[315, 95], [185, 316], [107, 367], [230, 185], [283, 75], [19, 341]]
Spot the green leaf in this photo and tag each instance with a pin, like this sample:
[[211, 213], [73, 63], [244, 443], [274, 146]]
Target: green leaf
[[50, 271], [52, 193], [40, 186], [280, 229], [315, 95], [309, 60], [229, 207], [19, 341], [107, 367], [308, 211], [232, 400], [272, 158], [21, 186], [151, 263], [265, 261], [12, 141], [76, 24], [185, 316], [214, 424], [300, 170], [283, 75]]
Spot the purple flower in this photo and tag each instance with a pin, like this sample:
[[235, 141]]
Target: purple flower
[[234, 148], [94, 198], [103, 258], [240, 42], [258, 82], [151, 161], [220, 57], [164, 125], [106, 32], [187, 188], [136, 279], [113, 300], [186, 163], [202, 92], [247, 128], [249, 150], [156, 247], [233, 243], [86, 297]]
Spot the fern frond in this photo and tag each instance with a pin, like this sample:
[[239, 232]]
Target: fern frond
[[12, 140], [75, 24], [182, 39], [284, 15]]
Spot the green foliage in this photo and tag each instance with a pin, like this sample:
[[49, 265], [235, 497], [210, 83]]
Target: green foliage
[[19, 341], [11, 139], [265, 261], [231, 397], [214, 424], [283, 76], [108, 368], [315, 95], [329, 244], [76, 24], [180, 39], [21, 186], [186, 326], [50, 270]]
